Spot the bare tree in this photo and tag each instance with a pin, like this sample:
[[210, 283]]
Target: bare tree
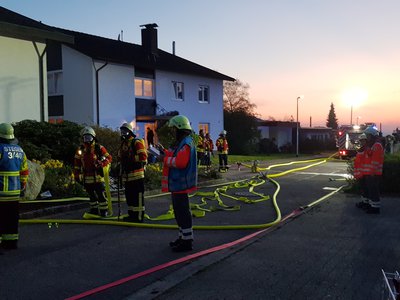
[[236, 97]]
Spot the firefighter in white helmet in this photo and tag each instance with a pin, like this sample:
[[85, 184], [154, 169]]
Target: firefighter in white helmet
[[362, 169], [132, 156], [90, 159], [13, 178]]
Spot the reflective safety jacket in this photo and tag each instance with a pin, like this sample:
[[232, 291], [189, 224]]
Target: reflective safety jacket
[[13, 172], [362, 163], [180, 168], [377, 154], [133, 157], [209, 145], [222, 145], [201, 145], [89, 162]]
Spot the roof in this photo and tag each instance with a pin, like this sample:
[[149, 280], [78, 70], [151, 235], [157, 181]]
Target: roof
[[16, 26], [277, 124], [115, 51]]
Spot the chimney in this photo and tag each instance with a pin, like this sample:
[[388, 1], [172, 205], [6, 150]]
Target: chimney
[[149, 38]]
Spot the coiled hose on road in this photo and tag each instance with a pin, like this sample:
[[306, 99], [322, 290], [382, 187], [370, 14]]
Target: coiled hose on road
[[262, 177]]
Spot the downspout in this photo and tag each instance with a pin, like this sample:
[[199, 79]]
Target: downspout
[[41, 79], [97, 91]]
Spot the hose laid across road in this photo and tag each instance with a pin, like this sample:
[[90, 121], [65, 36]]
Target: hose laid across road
[[313, 163]]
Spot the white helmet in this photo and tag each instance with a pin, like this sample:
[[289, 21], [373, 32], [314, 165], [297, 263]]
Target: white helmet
[[223, 132], [371, 130], [88, 130]]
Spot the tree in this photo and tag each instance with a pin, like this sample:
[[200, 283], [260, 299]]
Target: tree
[[240, 120], [236, 97], [332, 121]]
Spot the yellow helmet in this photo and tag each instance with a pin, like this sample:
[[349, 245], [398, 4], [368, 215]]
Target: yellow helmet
[[6, 131]]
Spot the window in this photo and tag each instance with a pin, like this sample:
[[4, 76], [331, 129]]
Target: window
[[54, 83], [144, 88], [205, 127], [204, 93], [178, 90]]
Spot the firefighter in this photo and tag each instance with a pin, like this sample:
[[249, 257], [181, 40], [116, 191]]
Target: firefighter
[[201, 145], [13, 177], [362, 169], [180, 178], [223, 148], [209, 147], [133, 158], [90, 159], [376, 154]]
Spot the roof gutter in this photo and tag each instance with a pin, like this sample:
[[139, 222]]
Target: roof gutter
[[97, 92]]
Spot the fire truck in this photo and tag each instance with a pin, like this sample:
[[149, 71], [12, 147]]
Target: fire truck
[[347, 139]]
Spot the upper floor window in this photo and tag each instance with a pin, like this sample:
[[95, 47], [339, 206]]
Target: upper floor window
[[54, 83], [204, 93], [177, 90], [144, 88]]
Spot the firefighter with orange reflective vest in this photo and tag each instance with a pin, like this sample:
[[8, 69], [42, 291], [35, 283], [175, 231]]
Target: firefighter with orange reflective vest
[[90, 159], [376, 154], [223, 148], [362, 169], [132, 156], [13, 178], [179, 177]]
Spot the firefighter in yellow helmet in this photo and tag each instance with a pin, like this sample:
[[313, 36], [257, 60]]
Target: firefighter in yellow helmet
[[13, 178], [90, 159], [132, 157]]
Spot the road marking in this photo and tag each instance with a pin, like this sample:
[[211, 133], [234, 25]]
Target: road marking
[[324, 174], [328, 188]]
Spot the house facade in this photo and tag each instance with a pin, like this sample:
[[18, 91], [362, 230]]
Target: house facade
[[100, 81], [23, 92]]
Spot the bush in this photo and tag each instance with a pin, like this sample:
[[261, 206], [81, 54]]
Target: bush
[[152, 176], [43, 140], [58, 180]]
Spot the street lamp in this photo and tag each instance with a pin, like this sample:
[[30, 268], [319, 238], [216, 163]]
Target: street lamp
[[358, 119], [351, 115], [297, 125]]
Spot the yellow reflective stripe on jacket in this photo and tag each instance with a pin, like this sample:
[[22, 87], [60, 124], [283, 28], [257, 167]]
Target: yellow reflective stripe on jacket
[[10, 237]]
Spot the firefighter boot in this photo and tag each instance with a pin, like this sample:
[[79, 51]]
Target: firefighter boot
[[362, 205], [103, 213], [175, 243], [94, 211], [183, 246]]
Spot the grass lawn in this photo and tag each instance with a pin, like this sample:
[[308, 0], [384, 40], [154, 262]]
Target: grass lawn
[[249, 158]]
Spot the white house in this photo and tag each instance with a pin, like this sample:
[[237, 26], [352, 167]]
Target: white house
[[97, 80], [23, 67]]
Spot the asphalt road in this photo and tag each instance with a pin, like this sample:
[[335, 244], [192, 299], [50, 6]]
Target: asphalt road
[[57, 262]]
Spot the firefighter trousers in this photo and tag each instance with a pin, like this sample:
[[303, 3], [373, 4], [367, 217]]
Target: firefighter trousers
[[97, 198], [134, 194], [183, 215], [9, 217]]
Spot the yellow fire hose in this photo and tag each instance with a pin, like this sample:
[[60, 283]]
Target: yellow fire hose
[[240, 183]]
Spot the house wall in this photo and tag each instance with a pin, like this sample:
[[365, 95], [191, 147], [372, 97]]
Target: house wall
[[78, 86], [282, 135], [117, 95], [19, 80], [197, 113]]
